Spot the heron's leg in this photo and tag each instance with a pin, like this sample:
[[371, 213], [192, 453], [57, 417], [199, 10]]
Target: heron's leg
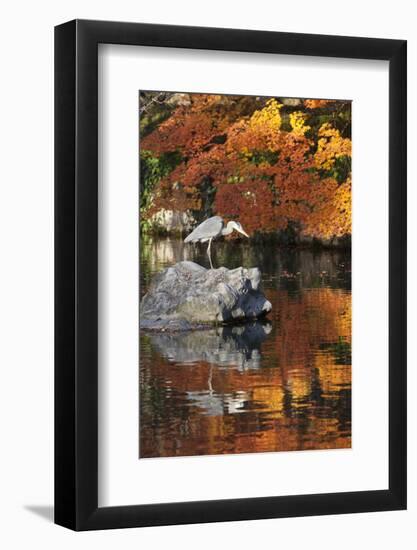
[[209, 253], [209, 381]]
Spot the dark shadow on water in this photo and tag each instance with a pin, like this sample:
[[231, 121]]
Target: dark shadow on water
[[44, 512]]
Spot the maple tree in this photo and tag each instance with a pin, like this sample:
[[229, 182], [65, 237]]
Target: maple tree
[[252, 159]]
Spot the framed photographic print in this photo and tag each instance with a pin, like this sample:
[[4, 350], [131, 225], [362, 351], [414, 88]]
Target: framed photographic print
[[230, 275]]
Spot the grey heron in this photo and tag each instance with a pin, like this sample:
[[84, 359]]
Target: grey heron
[[212, 228]]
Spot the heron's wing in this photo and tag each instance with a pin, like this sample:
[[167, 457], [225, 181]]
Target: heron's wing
[[206, 230]]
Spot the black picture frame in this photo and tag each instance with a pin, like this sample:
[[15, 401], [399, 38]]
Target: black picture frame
[[76, 272]]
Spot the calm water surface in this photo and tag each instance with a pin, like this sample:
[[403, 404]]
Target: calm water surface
[[280, 385]]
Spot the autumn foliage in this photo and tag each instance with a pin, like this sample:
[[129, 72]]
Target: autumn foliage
[[272, 166]]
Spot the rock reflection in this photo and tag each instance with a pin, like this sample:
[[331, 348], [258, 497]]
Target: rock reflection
[[229, 346]]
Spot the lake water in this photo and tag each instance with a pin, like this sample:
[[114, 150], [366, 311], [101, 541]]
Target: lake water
[[279, 385]]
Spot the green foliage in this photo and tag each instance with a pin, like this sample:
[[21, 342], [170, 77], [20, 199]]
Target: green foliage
[[152, 170], [154, 109], [340, 170], [342, 351], [340, 120], [259, 157], [149, 122]]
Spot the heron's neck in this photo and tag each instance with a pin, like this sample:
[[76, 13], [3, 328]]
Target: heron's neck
[[227, 230]]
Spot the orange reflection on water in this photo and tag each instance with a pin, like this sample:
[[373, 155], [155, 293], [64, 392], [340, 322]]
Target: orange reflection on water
[[280, 386]]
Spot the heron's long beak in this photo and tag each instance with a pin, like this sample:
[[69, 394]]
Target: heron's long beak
[[243, 233]]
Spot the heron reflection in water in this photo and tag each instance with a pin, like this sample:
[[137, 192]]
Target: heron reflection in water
[[211, 229]]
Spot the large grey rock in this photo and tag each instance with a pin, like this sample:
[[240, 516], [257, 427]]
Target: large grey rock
[[187, 296]]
